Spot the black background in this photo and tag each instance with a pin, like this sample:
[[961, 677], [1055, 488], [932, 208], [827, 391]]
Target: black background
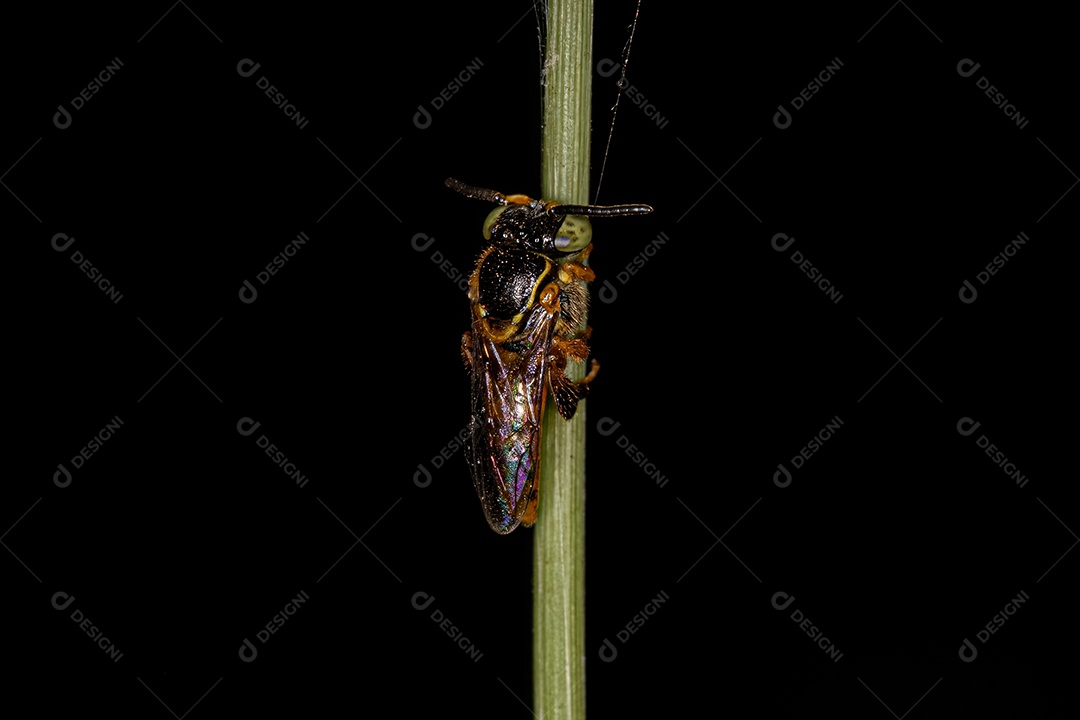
[[180, 539]]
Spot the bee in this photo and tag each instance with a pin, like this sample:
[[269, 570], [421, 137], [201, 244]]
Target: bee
[[528, 302]]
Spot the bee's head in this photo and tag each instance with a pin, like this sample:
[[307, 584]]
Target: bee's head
[[542, 226], [536, 225]]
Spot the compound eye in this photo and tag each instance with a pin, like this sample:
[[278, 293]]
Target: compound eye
[[574, 233], [489, 221]]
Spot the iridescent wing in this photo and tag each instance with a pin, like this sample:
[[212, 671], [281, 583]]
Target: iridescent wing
[[508, 393]]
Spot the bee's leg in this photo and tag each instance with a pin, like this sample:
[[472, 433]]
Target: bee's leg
[[585, 254], [568, 392], [549, 298], [577, 268], [529, 516], [466, 349], [569, 349]]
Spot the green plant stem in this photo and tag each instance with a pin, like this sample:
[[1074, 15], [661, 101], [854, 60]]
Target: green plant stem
[[559, 556]]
